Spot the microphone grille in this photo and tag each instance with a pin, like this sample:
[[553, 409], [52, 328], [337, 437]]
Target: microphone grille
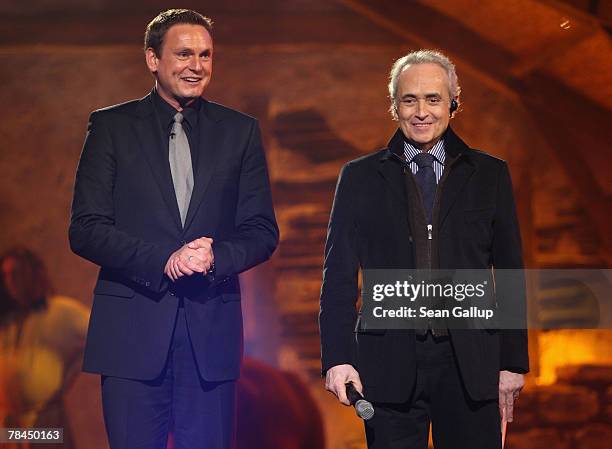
[[364, 409]]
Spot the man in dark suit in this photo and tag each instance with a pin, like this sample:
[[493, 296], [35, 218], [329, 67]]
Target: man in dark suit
[[172, 201], [427, 201]]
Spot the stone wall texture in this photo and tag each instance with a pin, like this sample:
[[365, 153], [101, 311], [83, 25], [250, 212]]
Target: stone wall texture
[[314, 73], [573, 413]]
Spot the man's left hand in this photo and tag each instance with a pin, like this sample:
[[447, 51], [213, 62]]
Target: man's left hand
[[203, 246], [510, 385], [194, 257]]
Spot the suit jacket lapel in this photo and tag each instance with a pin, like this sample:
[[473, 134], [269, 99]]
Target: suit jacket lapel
[[149, 136], [211, 143]]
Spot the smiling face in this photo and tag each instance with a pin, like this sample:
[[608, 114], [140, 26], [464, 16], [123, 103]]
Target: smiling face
[[184, 68], [423, 101]]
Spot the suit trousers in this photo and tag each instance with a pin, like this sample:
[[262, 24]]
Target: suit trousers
[[198, 414], [439, 399]]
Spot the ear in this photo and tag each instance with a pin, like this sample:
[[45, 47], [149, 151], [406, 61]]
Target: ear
[[151, 59], [454, 106]]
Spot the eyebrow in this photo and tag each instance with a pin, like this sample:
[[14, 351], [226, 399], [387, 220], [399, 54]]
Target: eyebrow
[[190, 51], [431, 95]]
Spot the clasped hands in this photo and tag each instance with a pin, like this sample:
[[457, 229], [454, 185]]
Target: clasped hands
[[193, 257]]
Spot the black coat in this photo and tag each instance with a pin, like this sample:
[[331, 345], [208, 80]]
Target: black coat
[[369, 229], [125, 219]]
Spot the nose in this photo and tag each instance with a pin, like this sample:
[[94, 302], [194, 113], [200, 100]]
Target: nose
[[195, 64], [421, 112]]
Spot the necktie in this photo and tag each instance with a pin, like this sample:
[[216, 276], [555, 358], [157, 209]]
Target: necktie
[[180, 165], [426, 180]]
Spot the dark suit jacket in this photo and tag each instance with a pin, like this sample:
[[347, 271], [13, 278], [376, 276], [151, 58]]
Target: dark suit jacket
[[369, 228], [125, 219]]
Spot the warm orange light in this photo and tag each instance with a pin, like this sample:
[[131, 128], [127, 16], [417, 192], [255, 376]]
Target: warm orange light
[[572, 347], [565, 23]]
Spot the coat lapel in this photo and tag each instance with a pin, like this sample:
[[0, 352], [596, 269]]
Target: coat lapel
[[457, 178], [150, 139], [391, 167], [391, 171], [459, 174], [212, 139]]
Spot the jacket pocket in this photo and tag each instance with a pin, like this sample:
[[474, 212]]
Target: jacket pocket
[[228, 297], [478, 225], [112, 288]]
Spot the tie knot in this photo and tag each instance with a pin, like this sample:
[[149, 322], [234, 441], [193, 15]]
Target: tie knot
[[423, 160], [178, 117]]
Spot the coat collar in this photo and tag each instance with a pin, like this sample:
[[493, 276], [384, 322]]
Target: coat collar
[[453, 145], [392, 164], [145, 108]]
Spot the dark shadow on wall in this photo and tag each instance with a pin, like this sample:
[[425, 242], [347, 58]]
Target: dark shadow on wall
[[307, 132]]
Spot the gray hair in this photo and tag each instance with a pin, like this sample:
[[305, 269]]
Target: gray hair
[[421, 57]]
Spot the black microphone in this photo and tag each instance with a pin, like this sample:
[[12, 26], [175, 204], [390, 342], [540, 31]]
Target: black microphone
[[363, 408]]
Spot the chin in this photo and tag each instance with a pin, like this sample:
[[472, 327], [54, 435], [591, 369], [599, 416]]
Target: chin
[[191, 92], [421, 140], [189, 95]]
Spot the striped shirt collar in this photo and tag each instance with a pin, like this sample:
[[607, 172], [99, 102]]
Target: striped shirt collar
[[410, 151]]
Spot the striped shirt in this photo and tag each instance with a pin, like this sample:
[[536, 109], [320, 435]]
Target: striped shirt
[[437, 152]]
